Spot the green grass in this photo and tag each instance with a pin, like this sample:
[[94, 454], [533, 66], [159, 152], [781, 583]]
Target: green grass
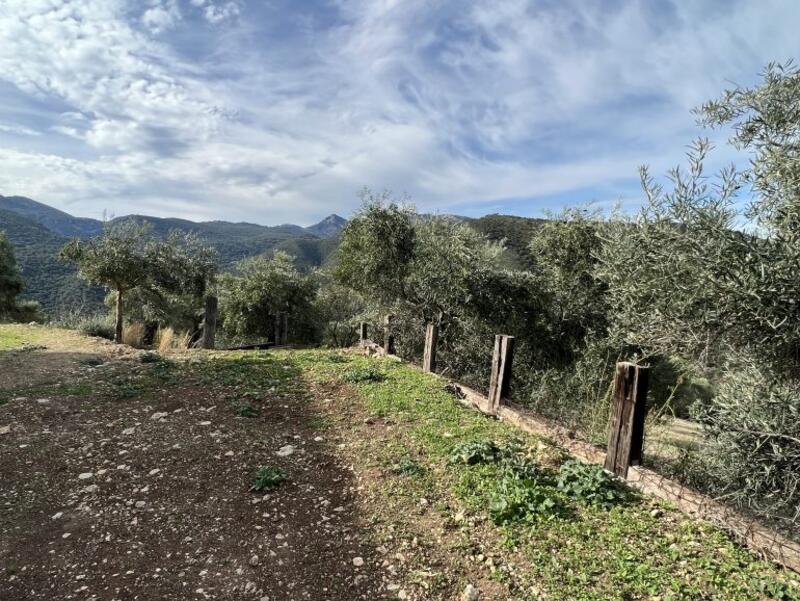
[[10, 340], [593, 543]]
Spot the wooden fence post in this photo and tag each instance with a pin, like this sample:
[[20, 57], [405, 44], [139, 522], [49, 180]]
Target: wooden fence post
[[285, 330], [626, 433], [501, 371], [277, 329], [388, 337], [431, 337], [362, 333], [210, 322]]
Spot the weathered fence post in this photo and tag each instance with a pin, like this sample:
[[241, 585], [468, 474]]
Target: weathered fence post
[[431, 337], [501, 370], [626, 433], [362, 333], [285, 330], [388, 337], [210, 322], [277, 329]]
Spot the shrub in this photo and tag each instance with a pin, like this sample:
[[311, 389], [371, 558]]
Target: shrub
[[267, 476], [97, 324], [262, 289]]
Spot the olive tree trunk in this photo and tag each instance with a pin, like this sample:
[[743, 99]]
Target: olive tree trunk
[[118, 326]]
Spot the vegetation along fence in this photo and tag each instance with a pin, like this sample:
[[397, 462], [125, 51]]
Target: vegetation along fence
[[624, 453]]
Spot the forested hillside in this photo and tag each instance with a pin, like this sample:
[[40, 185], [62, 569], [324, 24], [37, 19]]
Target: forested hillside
[[53, 284]]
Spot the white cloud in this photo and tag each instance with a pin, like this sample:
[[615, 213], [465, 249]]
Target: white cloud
[[19, 130], [162, 16], [452, 102]]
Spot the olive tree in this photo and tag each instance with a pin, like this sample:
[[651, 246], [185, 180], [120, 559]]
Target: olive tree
[[118, 259], [376, 248], [262, 288], [181, 270], [703, 275]]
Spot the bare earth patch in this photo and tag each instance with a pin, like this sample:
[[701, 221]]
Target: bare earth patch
[[148, 497]]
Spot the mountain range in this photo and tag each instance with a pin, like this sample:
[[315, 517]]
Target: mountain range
[[38, 231]]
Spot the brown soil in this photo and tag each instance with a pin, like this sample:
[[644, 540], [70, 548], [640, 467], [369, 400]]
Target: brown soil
[[166, 512]]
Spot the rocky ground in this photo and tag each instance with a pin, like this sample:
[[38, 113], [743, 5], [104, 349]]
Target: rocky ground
[[137, 487]]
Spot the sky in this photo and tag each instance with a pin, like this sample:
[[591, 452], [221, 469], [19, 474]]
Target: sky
[[275, 111]]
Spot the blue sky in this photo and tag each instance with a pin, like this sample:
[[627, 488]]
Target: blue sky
[[280, 111]]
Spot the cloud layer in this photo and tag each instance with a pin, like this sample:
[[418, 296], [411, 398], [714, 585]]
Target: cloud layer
[[281, 111]]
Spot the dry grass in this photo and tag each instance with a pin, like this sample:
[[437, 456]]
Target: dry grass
[[164, 339], [133, 335], [186, 341]]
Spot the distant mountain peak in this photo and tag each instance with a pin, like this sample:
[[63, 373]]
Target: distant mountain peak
[[328, 227], [56, 221]]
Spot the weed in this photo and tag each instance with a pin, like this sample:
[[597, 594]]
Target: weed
[[408, 467], [126, 388], [92, 361], [245, 409], [150, 357], [337, 358], [522, 500], [360, 375], [474, 452], [589, 483], [164, 339], [267, 476]]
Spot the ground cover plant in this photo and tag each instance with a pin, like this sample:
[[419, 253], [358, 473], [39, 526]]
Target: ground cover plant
[[579, 533]]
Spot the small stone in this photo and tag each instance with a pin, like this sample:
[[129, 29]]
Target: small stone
[[129, 431], [66, 535], [92, 488], [229, 454], [153, 472], [285, 451], [159, 415], [470, 594], [254, 561], [358, 561], [56, 516], [85, 475], [5, 429], [205, 423], [140, 504]]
